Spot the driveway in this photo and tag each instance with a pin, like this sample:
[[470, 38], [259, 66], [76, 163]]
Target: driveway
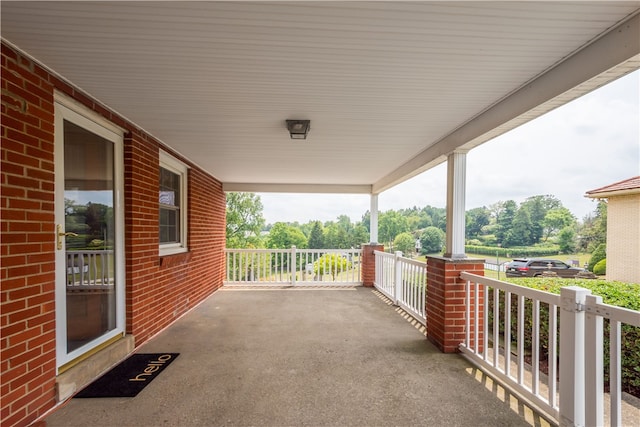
[[301, 357]]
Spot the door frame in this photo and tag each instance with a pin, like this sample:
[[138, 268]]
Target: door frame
[[72, 111]]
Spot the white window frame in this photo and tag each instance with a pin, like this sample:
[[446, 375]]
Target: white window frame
[[174, 165]]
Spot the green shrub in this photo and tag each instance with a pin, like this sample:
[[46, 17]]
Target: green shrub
[[596, 256], [600, 268]]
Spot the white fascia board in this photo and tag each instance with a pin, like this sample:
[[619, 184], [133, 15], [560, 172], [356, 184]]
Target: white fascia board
[[613, 193], [295, 188], [613, 55]]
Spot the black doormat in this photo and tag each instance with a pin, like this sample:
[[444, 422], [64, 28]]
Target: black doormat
[[128, 378]]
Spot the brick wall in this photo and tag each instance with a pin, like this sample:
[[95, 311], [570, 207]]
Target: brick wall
[[445, 302], [27, 247], [158, 290]]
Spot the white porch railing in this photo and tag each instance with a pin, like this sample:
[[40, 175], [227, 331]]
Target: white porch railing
[[293, 266], [90, 269], [578, 397], [404, 281]]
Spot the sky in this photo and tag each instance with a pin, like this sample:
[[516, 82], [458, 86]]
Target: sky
[[588, 143]]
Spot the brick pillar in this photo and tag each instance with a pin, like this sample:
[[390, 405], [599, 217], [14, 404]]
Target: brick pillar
[[368, 261], [445, 302]]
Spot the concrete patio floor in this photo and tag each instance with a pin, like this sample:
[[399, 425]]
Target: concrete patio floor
[[303, 357]]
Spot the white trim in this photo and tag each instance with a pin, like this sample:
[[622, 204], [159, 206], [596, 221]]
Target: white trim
[[67, 109], [79, 109], [169, 162], [254, 187]]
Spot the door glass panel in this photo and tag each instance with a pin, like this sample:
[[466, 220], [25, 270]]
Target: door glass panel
[[90, 235]]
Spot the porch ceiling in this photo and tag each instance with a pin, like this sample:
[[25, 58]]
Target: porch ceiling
[[390, 87]]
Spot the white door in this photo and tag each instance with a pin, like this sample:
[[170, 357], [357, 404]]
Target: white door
[[89, 231]]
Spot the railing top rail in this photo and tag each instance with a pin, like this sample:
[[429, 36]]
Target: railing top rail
[[543, 296], [384, 254], [621, 314], [298, 250], [413, 262]]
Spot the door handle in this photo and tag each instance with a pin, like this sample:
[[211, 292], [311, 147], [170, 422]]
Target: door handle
[[60, 234]]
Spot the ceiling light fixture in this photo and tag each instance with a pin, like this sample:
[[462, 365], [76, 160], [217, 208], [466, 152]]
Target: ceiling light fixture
[[298, 129]]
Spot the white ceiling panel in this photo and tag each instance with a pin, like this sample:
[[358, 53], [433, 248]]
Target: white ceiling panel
[[389, 87]]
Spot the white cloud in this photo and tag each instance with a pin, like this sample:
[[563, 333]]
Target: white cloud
[[588, 143]]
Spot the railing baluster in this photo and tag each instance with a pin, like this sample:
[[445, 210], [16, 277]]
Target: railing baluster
[[552, 360], [615, 375], [507, 333], [535, 346], [485, 326], [520, 339], [476, 317], [467, 315], [496, 326]]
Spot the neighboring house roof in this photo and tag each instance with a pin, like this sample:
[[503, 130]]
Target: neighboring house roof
[[620, 188]]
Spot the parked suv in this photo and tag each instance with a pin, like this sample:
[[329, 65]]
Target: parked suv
[[533, 267]]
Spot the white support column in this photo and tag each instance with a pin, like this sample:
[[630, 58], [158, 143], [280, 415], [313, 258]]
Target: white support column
[[572, 356], [373, 219], [456, 195]]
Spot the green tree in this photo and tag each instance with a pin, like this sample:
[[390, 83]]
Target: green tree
[[344, 222], [360, 235], [520, 233], [404, 242], [535, 205], [504, 221], [556, 219], [335, 236], [567, 240], [96, 217], [75, 217], [438, 217], [283, 236], [316, 237], [594, 228], [244, 220], [366, 220], [476, 219], [390, 224], [432, 240]]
